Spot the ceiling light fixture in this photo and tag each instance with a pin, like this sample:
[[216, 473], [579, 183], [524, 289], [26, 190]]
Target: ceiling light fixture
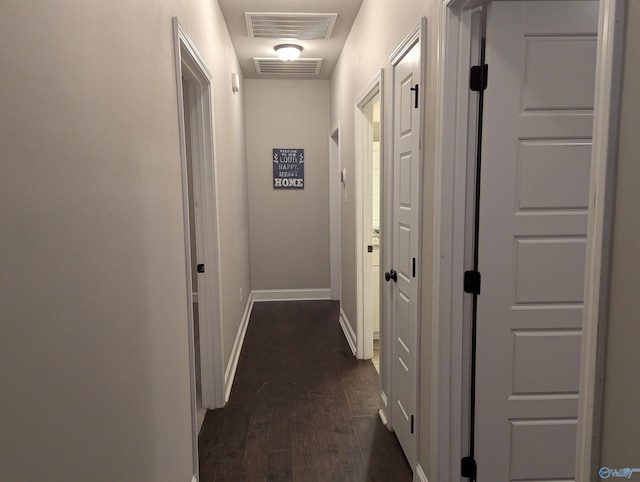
[[288, 51]]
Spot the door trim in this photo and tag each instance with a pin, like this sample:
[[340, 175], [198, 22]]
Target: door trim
[[190, 63], [417, 36], [599, 234], [334, 213], [364, 339], [450, 194]]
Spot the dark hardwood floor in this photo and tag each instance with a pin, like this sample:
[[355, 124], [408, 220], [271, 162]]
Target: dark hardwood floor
[[302, 407]]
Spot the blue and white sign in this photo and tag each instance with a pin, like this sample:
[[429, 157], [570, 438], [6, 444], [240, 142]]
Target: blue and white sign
[[288, 168], [626, 473]]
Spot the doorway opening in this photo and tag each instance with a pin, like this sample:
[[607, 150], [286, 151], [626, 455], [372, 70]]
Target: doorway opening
[[373, 108], [195, 247], [196, 127], [368, 185]]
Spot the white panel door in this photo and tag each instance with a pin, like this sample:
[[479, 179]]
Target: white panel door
[[533, 221], [406, 196]]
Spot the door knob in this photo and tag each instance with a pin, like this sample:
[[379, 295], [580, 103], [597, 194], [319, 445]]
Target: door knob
[[391, 275]]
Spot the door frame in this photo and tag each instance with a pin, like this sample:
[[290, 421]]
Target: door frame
[[335, 248], [451, 191], [363, 140], [418, 36], [190, 64]]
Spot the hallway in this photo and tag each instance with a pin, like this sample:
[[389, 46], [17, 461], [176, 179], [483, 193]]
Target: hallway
[[98, 142], [302, 407]]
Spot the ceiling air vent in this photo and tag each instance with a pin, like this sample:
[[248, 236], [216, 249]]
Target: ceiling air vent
[[301, 26], [277, 66]]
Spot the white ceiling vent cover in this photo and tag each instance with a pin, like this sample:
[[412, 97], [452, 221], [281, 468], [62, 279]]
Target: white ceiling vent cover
[[277, 66], [301, 26]]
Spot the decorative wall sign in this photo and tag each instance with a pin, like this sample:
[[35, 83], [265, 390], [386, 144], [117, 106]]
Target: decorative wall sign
[[288, 168]]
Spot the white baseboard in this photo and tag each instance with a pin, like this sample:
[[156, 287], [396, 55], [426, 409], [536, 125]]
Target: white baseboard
[[384, 406], [348, 332], [383, 418], [292, 295], [230, 372], [419, 475]]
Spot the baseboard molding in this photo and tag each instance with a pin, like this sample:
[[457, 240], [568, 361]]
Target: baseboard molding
[[348, 332], [292, 295], [384, 406], [419, 475], [383, 418], [230, 372]]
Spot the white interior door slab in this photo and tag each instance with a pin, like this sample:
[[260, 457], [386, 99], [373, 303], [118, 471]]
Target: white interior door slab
[[533, 222], [406, 199]]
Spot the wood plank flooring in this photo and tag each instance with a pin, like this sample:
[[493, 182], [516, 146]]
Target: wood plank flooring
[[302, 407]]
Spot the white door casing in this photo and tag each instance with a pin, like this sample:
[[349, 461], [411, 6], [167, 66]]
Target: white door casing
[[406, 226], [533, 222], [334, 212]]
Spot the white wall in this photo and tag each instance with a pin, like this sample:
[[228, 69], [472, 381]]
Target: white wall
[[289, 227], [379, 28], [621, 423], [94, 364]]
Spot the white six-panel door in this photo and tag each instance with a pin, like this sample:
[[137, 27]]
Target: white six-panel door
[[533, 221], [406, 198]]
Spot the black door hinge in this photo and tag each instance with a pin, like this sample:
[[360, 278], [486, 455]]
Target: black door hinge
[[416, 89], [414, 267], [411, 423], [468, 468], [472, 282], [369, 248], [478, 77], [200, 268]]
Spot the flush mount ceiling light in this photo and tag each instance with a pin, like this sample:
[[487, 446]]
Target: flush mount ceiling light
[[288, 51]]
